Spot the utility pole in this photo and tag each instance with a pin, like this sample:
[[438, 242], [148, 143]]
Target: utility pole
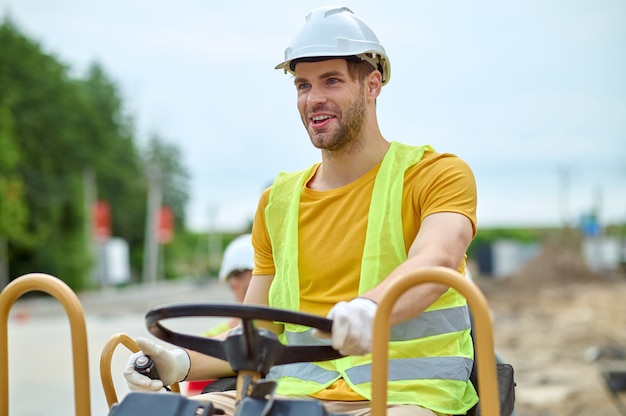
[[151, 244]]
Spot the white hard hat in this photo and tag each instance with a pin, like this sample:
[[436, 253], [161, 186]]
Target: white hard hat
[[239, 255], [335, 31]]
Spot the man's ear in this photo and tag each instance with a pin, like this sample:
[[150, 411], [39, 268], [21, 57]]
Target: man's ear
[[373, 84]]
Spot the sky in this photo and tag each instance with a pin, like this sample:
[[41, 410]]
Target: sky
[[531, 93]]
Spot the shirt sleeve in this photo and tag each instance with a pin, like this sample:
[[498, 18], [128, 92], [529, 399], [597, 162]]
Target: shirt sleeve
[[263, 257], [445, 183]]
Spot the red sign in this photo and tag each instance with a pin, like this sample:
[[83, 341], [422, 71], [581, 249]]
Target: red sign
[[101, 220], [165, 232]]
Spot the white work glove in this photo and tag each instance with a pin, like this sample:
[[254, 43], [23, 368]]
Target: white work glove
[[172, 366], [352, 326]]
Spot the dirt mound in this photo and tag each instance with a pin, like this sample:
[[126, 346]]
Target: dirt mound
[[553, 266], [548, 316]]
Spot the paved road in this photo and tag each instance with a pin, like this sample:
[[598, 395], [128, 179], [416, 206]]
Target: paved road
[[40, 354]]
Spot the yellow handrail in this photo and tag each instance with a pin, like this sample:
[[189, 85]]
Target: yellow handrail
[[483, 333], [106, 356], [57, 288], [105, 363]]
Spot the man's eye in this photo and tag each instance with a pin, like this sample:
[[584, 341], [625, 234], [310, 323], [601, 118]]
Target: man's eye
[[302, 86], [333, 80]]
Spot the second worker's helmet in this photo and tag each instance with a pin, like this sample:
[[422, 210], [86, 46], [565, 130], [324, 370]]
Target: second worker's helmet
[[238, 256], [334, 32]]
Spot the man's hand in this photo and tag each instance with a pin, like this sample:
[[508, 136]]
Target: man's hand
[[172, 366], [352, 326]]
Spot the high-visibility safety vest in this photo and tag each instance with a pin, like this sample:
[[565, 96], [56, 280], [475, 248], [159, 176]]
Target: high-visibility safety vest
[[430, 356]]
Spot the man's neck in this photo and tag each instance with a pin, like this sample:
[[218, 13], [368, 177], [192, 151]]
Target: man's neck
[[344, 167]]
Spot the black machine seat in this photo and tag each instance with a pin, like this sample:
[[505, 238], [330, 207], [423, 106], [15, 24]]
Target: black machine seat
[[506, 385], [506, 390]]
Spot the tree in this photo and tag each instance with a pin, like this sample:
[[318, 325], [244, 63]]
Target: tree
[[36, 97], [169, 183], [53, 129], [13, 209], [112, 154], [173, 175]]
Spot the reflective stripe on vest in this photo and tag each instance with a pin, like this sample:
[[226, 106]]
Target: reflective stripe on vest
[[304, 371], [427, 324], [423, 368]]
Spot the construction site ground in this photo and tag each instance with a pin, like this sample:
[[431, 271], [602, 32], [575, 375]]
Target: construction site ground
[[554, 320], [559, 324]]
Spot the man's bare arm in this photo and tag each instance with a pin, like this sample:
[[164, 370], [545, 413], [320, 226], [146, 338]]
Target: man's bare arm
[[442, 240]]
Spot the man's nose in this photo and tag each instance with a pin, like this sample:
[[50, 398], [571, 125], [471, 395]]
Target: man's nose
[[316, 96]]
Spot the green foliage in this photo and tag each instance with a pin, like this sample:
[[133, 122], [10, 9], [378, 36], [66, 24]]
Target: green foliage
[[174, 178], [13, 209], [486, 236], [44, 104], [114, 158], [54, 130], [186, 256], [523, 235]]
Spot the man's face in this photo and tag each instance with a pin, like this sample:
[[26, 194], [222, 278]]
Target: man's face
[[331, 103], [239, 283]]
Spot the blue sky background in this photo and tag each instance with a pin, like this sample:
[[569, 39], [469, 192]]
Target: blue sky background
[[531, 93]]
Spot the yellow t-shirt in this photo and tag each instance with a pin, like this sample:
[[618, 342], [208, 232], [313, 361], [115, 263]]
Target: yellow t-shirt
[[332, 227]]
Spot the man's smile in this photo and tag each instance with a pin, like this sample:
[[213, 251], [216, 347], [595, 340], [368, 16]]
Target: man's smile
[[319, 121]]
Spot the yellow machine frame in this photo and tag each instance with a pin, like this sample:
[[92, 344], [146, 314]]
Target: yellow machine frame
[[106, 357], [485, 353], [62, 292], [487, 376]]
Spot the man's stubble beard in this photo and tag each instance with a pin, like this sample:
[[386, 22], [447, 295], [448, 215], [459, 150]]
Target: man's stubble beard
[[346, 138]]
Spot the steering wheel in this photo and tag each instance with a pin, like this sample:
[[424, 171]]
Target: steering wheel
[[247, 347]]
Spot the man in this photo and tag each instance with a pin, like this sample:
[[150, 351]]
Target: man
[[328, 240]]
